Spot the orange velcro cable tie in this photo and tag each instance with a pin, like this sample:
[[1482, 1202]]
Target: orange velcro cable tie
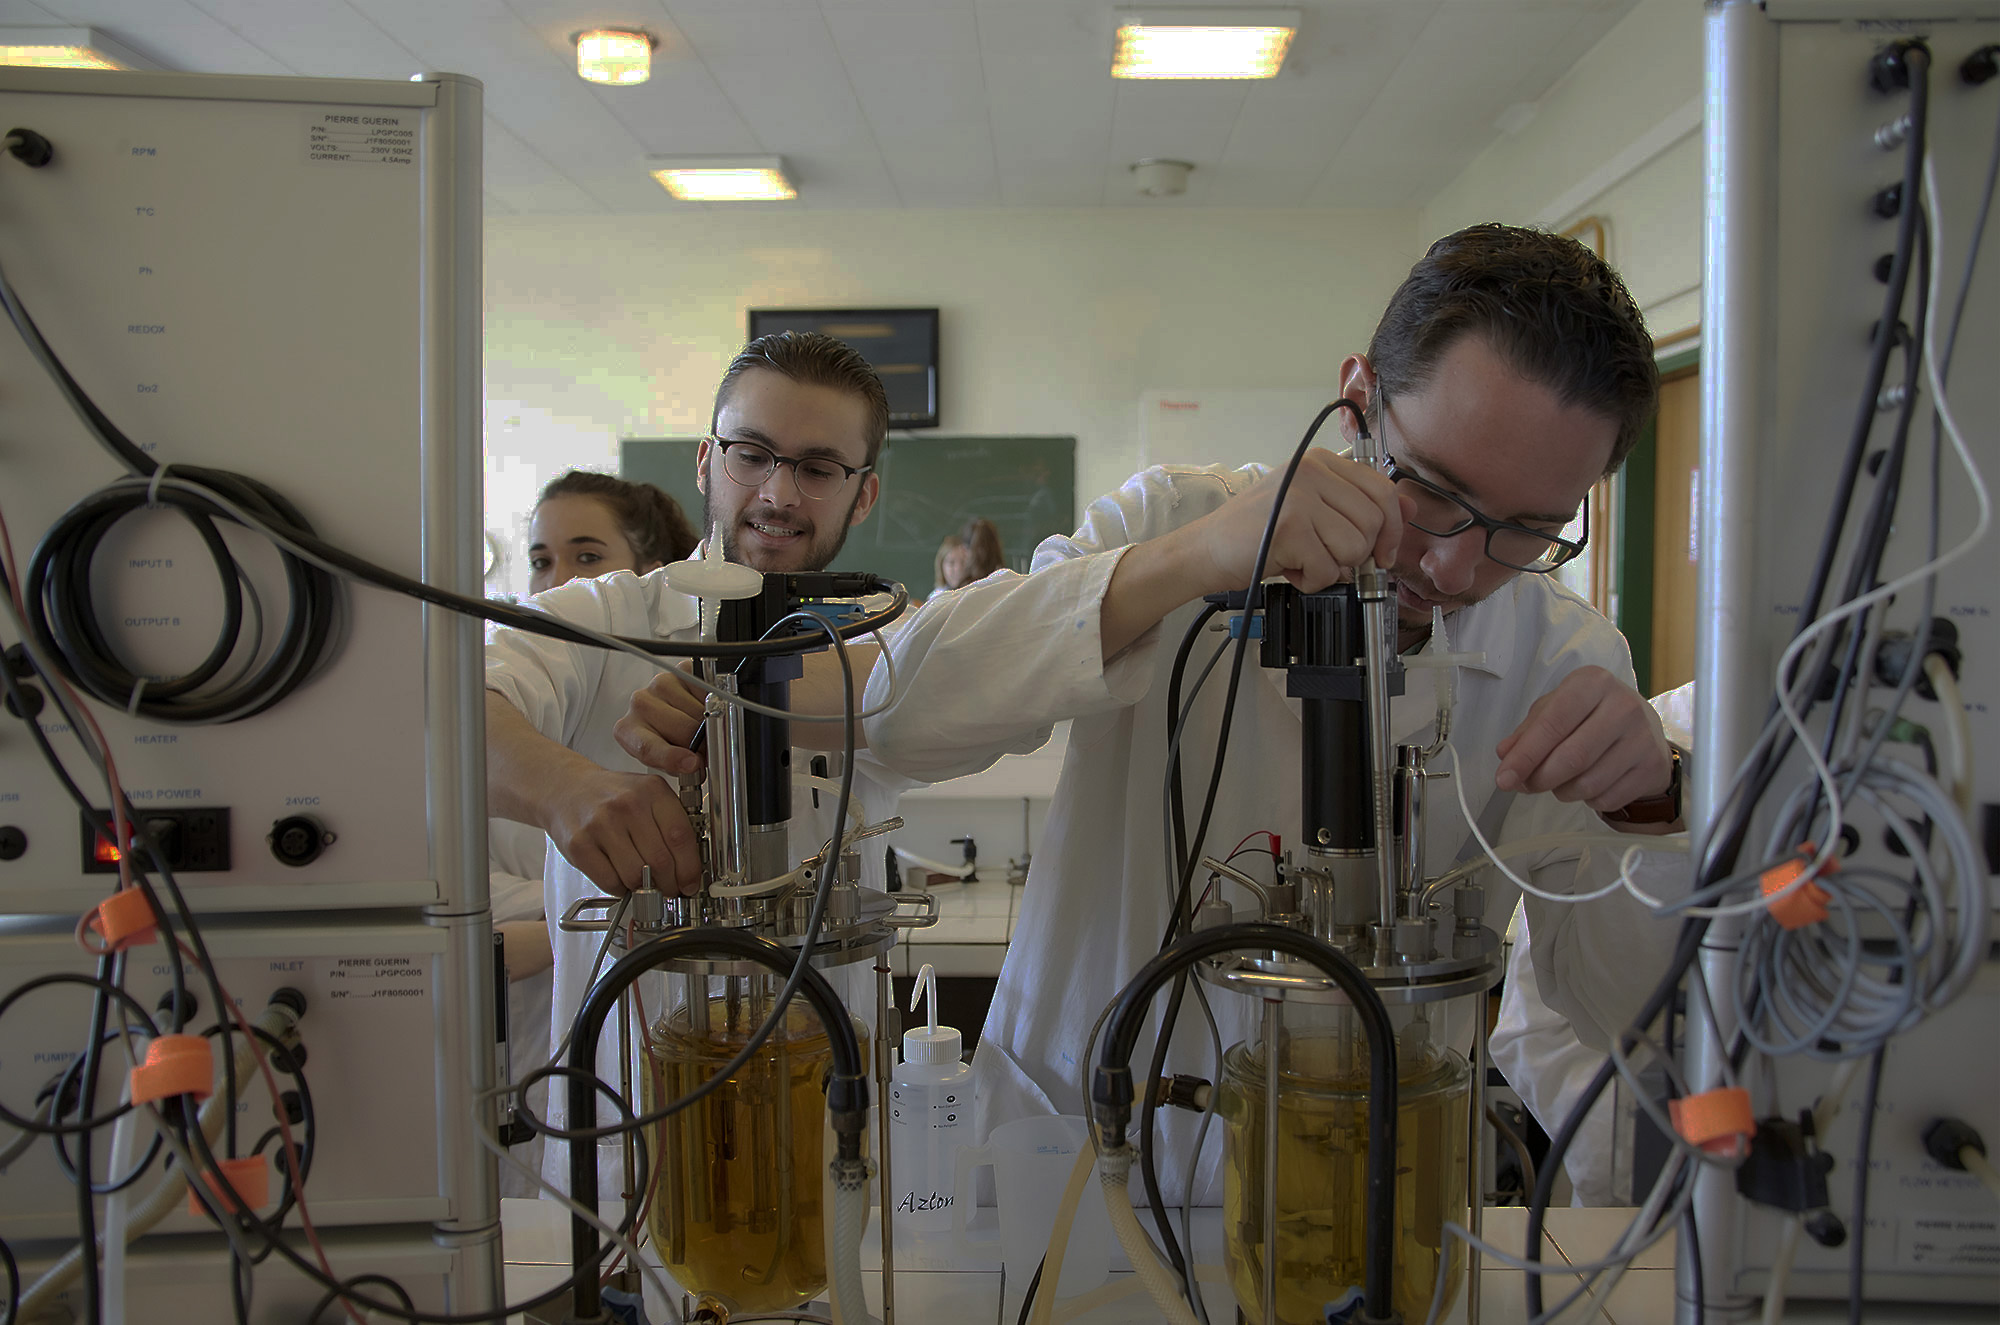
[[1719, 1121], [175, 1065], [124, 920], [1804, 905], [249, 1186]]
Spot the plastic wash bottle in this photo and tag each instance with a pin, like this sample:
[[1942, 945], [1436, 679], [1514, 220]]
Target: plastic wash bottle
[[930, 1115]]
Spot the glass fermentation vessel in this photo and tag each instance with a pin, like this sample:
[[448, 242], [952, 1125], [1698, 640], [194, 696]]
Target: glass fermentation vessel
[[737, 1208], [1321, 1185]]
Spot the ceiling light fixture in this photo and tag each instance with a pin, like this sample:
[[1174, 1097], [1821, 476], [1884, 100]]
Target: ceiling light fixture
[[66, 48], [1202, 43], [724, 179], [617, 57]]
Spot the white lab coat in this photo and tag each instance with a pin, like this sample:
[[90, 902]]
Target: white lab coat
[[986, 670], [575, 695], [515, 854], [1549, 1066]]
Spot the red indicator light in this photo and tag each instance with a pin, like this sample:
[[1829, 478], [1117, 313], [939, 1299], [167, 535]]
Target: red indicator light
[[104, 853]]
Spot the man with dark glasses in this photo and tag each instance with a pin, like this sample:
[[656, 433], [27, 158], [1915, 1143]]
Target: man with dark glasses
[[1510, 373], [786, 469]]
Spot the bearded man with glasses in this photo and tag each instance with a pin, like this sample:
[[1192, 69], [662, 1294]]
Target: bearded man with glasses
[[787, 468], [1509, 374]]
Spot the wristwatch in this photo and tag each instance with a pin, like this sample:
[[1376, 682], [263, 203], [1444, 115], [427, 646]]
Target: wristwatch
[[1664, 808]]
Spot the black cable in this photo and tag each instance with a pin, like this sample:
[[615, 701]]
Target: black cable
[[847, 1090], [66, 1088], [344, 1288], [1693, 1236], [1725, 839], [1178, 917], [807, 944], [285, 1059], [105, 988], [1028, 1301], [86, 1206], [1857, 1222], [1175, 721], [62, 614], [248, 1222], [1178, 715], [13, 1283], [1918, 59], [1112, 1093]]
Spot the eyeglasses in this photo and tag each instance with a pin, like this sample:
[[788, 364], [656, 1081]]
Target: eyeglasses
[[817, 476], [1515, 546]]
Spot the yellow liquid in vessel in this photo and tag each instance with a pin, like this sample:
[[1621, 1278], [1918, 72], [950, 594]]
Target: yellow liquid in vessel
[[1322, 1178], [737, 1211]]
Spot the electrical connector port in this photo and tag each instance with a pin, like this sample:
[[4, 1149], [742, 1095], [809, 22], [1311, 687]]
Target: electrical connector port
[[1892, 656], [299, 840], [191, 841]]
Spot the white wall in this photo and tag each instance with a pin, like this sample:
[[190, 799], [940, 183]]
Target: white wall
[[1619, 138], [1054, 322]]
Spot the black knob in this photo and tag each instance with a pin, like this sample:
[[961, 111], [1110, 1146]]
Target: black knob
[[30, 147], [31, 699], [1825, 1228], [13, 843]]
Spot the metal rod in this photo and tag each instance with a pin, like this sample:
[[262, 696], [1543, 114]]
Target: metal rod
[[1475, 1162], [885, 1002], [1738, 331], [1377, 621], [626, 1139], [1271, 1011]]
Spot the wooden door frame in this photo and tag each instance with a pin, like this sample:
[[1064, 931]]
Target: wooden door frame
[[1638, 489]]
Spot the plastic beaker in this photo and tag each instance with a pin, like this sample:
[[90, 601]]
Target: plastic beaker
[[1031, 1159]]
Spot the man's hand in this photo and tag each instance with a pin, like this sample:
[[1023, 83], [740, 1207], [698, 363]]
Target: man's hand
[[660, 725], [1591, 739], [1337, 515], [610, 824], [606, 824]]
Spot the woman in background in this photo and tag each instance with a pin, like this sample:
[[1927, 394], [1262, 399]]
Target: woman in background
[[973, 553], [585, 525]]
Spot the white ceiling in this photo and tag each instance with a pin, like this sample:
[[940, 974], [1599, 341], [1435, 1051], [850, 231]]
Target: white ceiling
[[911, 103]]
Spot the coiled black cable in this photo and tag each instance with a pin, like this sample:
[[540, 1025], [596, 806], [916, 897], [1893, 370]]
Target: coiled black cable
[[63, 618]]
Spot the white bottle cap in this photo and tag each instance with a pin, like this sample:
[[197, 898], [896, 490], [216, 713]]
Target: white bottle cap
[[930, 1043], [933, 1044]]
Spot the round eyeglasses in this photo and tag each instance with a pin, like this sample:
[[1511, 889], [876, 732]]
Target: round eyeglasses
[[1515, 546], [817, 476]]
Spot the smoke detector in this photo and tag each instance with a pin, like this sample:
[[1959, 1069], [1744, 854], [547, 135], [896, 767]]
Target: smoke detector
[[1161, 177]]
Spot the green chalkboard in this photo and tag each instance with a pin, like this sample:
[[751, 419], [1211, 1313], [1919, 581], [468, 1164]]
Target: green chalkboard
[[930, 487]]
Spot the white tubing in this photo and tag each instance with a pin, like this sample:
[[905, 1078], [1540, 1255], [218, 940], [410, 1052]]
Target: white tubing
[[958, 871], [1058, 1248], [1159, 1281], [1781, 1273], [831, 786], [1958, 730], [1981, 1168], [124, 1152], [850, 1221]]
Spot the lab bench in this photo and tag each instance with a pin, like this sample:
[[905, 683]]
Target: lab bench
[[935, 1282]]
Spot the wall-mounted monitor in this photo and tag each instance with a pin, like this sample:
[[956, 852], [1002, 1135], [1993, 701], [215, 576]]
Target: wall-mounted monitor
[[900, 343]]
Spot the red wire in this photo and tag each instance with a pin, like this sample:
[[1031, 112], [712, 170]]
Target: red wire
[[291, 1150]]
